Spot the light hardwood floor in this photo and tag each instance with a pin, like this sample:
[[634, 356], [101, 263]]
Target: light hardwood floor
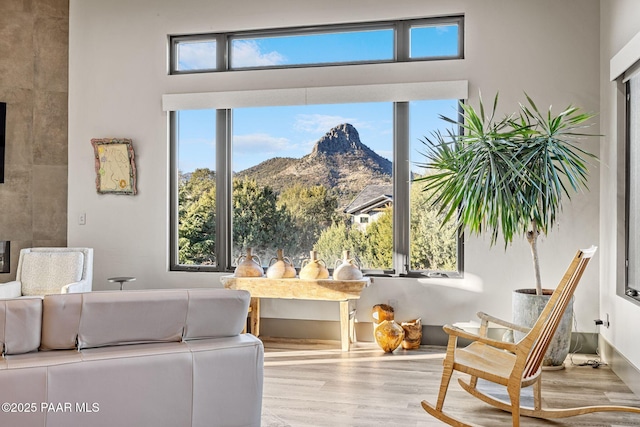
[[315, 385]]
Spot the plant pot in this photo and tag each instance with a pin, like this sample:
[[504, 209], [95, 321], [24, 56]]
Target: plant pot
[[527, 307]]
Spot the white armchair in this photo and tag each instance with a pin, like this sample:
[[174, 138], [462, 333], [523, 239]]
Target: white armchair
[[43, 271]]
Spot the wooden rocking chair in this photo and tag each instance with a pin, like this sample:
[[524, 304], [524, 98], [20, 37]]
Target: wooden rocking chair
[[514, 365]]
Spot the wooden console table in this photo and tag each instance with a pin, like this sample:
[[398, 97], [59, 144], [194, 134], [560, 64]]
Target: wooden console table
[[342, 291]]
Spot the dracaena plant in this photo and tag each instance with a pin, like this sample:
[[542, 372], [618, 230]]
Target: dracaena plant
[[507, 176]]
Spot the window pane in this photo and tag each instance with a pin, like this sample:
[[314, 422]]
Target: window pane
[[434, 41], [196, 187], [196, 55], [432, 247], [314, 177], [320, 48], [633, 276]]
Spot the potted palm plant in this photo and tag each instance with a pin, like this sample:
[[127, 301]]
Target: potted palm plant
[[508, 177]]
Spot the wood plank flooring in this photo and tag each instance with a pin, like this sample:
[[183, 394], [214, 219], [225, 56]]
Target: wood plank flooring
[[316, 384]]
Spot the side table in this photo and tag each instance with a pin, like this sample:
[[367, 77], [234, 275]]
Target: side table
[[121, 280]]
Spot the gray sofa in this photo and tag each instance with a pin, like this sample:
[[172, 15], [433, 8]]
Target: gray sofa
[[134, 358]]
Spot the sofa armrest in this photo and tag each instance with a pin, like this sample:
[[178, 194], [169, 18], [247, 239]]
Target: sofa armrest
[[76, 287], [10, 290]]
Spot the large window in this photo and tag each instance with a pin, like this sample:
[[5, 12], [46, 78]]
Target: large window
[[324, 177]]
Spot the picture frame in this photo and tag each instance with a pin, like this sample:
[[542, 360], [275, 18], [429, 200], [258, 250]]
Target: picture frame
[[115, 166]]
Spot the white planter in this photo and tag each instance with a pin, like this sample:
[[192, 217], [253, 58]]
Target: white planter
[[527, 307]]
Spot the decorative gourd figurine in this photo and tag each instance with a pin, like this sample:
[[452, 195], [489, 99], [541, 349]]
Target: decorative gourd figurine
[[249, 267], [348, 269], [389, 335], [282, 268], [314, 268], [412, 334]]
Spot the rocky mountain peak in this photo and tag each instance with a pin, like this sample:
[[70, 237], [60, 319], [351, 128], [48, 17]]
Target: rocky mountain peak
[[339, 161], [341, 139]]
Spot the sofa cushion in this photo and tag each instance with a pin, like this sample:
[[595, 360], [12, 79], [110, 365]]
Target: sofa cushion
[[60, 321], [216, 313], [129, 317], [44, 273], [20, 321]]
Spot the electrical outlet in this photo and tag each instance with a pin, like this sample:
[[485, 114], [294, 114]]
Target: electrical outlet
[[82, 218]]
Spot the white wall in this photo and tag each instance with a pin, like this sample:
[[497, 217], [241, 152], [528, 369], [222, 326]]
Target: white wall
[[619, 24], [118, 62]]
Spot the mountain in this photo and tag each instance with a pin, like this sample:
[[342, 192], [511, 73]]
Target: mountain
[[338, 160]]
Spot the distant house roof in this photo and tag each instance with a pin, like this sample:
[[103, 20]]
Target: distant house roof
[[371, 197]]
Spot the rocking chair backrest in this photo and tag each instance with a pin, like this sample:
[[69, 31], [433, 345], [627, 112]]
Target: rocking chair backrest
[[547, 324]]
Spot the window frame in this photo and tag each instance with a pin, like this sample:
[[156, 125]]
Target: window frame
[[401, 43], [224, 189], [629, 291]]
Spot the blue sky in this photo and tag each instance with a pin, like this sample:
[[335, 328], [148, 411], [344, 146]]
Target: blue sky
[[291, 131]]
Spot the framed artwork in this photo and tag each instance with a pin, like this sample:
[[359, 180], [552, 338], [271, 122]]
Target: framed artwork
[[115, 166]]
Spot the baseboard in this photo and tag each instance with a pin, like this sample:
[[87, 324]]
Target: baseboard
[[620, 365], [431, 335]]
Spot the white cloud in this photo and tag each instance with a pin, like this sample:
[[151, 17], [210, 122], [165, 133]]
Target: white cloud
[[322, 123], [260, 143], [197, 56], [247, 53]]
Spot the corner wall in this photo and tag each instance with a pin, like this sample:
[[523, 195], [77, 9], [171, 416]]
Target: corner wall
[[118, 63], [33, 82]]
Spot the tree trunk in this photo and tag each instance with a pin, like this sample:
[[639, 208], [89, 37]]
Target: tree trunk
[[532, 238]]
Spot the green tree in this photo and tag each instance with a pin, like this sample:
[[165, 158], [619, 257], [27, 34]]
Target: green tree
[[433, 244], [196, 218], [258, 222], [312, 209], [379, 249], [337, 238]]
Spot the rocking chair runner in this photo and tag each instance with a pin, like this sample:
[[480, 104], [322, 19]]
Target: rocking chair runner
[[514, 365]]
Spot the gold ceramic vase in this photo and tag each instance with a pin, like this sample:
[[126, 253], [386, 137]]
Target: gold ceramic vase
[[248, 265], [313, 268], [282, 268]]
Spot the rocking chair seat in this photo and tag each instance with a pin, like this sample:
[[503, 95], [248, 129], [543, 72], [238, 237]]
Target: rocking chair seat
[[483, 361]]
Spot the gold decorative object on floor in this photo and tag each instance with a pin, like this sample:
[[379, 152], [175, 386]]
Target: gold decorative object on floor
[[314, 268], [381, 312], [389, 335], [249, 267], [412, 334], [282, 268]]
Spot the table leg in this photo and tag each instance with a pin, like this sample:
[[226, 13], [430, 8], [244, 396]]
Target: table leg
[[344, 325], [352, 323], [254, 316]]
